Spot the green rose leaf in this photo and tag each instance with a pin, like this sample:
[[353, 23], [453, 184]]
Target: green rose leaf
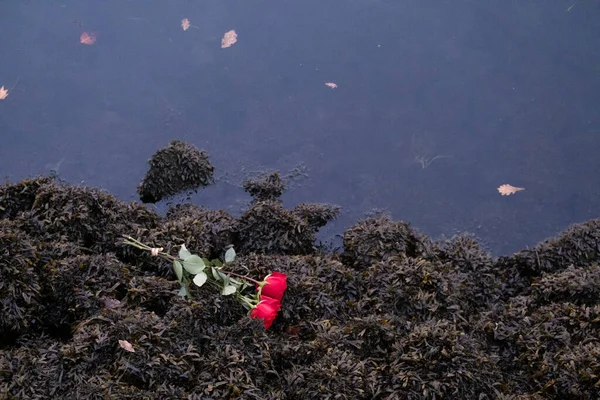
[[224, 277], [200, 279], [193, 264], [235, 281], [183, 291], [184, 253], [215, 274], [227, 290], [178, 268], [230, 255]]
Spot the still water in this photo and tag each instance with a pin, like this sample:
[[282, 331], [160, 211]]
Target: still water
[[430, 107]]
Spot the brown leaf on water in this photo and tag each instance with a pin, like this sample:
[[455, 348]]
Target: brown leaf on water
[[126, 345], [228, 39], [3, 93], [185, 24], [331, 85], [87, 38], [506, 189]]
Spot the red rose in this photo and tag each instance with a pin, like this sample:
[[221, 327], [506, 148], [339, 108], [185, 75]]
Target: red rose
[[266, 310], [274, 285]]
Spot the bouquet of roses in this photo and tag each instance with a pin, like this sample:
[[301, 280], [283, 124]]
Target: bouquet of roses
[[191, 268]]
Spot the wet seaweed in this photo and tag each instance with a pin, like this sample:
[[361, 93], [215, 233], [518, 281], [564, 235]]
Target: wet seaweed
[[379, 238], [265, 187], [267, 227], [20, 286], [395, 316], [175, 169]]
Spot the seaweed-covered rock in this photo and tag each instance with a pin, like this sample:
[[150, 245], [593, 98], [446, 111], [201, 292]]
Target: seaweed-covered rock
[[265, 187], [227, 351], [88, 217], [203, 317], [578, 371], [19, 197], [156, 359], [465, 253], [80, 287], [175, 169], [267, 227], [532, 341], [150, 293], [481, 279], [317, 215], [334, 371], [396, 316], [216, 228], [579, 245], [419, 289], [577, 285], [379, 238], [412, 289], [437, 360], [20, 287], [31, 370], [100, 386]]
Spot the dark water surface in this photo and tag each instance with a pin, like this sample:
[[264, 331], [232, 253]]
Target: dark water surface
[[507, 91]]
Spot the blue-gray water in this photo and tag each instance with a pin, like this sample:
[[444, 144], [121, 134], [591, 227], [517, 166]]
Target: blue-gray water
[[508, 91]]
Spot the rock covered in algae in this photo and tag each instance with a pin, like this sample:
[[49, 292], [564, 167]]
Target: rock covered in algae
[[265, 187], [266, 226], [175, 169], [396, 315]]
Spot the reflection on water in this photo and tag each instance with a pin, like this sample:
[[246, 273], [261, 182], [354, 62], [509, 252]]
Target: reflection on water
[[423, 150]]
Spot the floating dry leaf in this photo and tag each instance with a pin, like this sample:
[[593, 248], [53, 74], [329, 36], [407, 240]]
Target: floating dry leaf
[[331, 85], [126, 345], [185, 24], [87, 38], [3, 93], [507, 189], [228, 39]]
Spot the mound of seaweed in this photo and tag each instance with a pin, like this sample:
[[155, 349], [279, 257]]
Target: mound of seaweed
[[266, 227], [175, 169], [394, 316]]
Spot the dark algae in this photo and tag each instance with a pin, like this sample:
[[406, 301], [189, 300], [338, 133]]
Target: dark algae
[[177, 168], [393, 315]]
